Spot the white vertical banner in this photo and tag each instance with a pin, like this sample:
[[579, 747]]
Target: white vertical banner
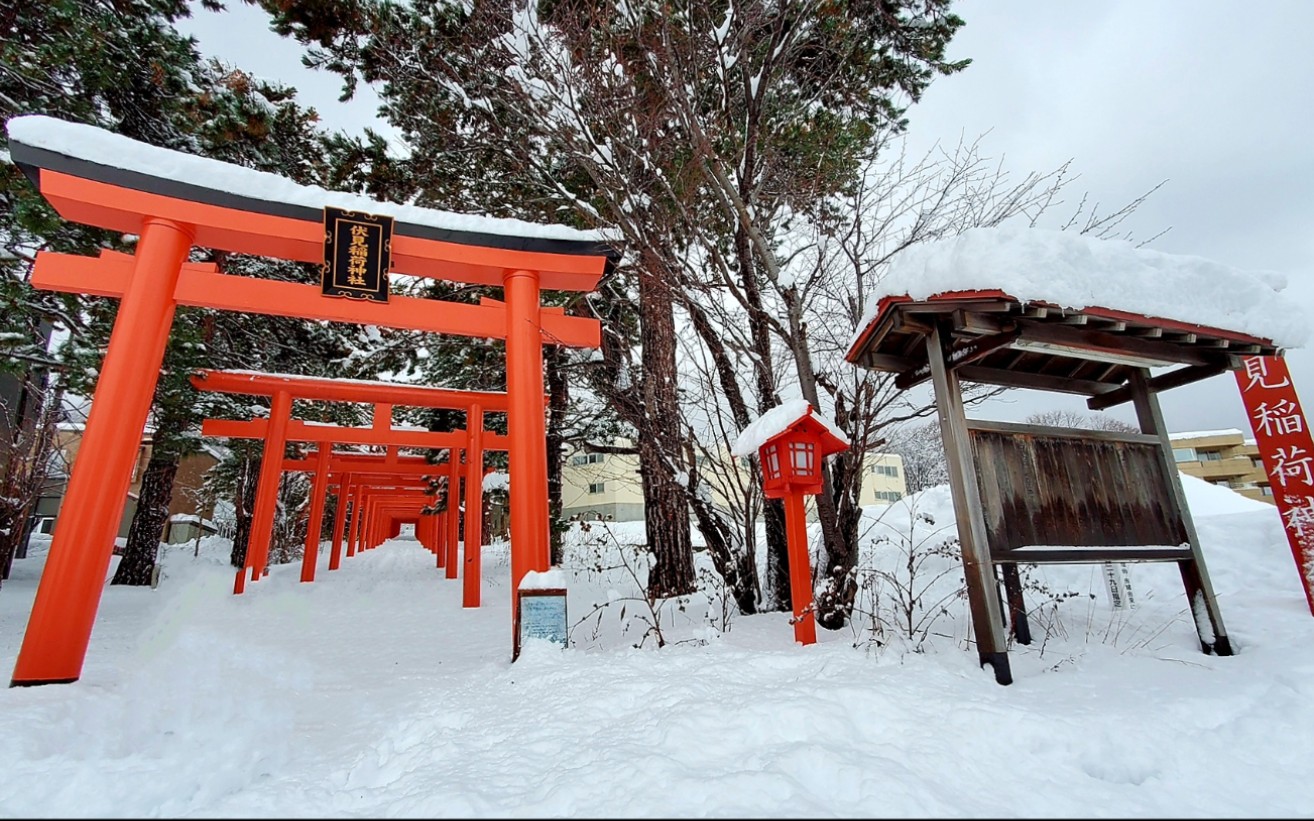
[[1118, 579]]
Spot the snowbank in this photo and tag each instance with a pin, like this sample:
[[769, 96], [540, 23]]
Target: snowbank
[[374, 693]]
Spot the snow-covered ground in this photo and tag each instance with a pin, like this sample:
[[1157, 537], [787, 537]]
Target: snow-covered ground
[[371, 693]]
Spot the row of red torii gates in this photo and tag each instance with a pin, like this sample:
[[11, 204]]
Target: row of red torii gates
[[175, 202], [383, 491]]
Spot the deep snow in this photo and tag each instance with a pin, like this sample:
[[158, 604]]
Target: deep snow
[[371, 692]]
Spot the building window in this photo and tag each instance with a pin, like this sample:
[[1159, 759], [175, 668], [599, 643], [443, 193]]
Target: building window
[[885, 470], [1257, 463], [889, 495], [597, 487], [1211, 456], [1266, 490], [587, 459], [1184, 454]]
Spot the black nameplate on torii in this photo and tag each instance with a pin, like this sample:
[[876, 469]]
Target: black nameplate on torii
[[357, 254]]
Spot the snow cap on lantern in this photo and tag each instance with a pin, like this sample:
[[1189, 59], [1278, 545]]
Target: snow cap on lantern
[[790, 441]]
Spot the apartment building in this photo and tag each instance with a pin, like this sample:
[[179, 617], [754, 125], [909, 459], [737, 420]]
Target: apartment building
[[1223, 457], [607, 485]]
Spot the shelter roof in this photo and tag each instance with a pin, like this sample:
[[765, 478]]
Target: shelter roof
[[995, 338]]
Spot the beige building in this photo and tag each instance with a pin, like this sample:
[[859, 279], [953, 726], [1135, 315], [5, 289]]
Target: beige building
[[602, 486], [607, 486], [1223, 457], [191, 473]]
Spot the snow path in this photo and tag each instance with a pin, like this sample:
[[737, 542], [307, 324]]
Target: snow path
[[371, 693]]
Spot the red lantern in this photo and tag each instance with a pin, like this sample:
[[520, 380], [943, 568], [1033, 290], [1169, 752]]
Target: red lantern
[[791, 460]]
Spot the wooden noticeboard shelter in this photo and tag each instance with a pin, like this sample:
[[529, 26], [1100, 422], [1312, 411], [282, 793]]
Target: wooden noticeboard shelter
[[1034, 494]]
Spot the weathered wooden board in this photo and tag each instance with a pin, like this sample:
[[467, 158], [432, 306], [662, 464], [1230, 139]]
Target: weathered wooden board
[[1062, 487]]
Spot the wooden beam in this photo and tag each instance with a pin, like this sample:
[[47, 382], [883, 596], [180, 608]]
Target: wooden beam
[[974, 322], [346, 390], [1033, 381], [299, 431], [1103, 341], [1085, 555], [978, 569], [886, 362], [1052, 430], [202, 286], [1163, 382], [1195, 576]]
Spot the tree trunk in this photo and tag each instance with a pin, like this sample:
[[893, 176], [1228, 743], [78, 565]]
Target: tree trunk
[[243, 509], [666, 506], [737, 564], [738, 568], [840, 555], [26, 459], [148, 521], [777, 593], [558, 399]]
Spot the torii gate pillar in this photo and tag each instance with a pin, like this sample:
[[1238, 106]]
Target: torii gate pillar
[[59, 628], [526, 428]]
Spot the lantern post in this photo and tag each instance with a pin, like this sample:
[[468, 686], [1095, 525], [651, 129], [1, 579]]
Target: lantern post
[[791, 442]]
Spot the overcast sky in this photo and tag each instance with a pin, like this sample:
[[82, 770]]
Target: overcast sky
[[1215, 98]]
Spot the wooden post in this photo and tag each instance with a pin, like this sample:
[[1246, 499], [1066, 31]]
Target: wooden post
[[474, 507], [440, 539], [978, 568], [318, 493], [800, 569], [68, 595], [1017, 607], [339, 522], [526, 428], [451, 561], [1195, 577], [357, 520], [271, 470]]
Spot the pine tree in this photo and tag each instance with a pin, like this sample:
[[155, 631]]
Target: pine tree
[[700, 130]]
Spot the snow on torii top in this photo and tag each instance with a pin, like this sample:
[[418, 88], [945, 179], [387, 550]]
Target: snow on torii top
[[1073, 271], [775, 422], [127, 174]]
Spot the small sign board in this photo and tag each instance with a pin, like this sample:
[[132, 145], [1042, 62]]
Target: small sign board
[[357, 254], [540, 614]]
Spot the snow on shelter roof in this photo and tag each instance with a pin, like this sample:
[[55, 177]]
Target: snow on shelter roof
[[776, 421], [39, 142], [1074, 271]]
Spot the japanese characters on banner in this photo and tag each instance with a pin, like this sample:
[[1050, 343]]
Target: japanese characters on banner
[[1287, 450]]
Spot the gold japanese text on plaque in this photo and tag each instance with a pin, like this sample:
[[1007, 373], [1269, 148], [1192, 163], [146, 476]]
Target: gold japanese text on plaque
[[357, 254]]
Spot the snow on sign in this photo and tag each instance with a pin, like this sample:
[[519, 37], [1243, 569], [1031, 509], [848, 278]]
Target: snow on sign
[[1287, 450], [357, 254]]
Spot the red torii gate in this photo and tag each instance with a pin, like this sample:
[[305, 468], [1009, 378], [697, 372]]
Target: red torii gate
[[280, 428], [395, 474], [339, 472], [363, 473], [112, 182]]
